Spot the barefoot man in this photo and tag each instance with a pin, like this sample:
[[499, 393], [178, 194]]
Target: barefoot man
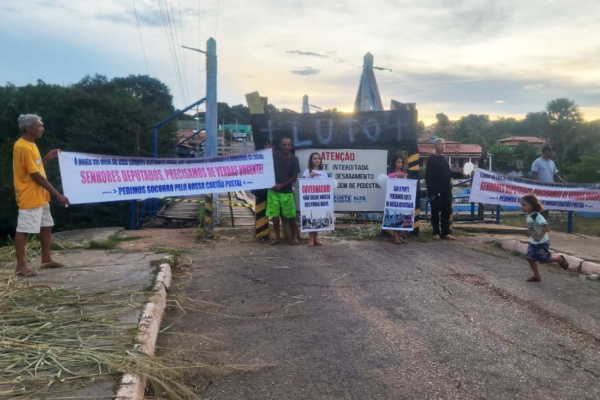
[[280, 198], [33, 193]]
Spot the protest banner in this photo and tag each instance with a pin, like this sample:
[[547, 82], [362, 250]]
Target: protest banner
[[316, 205], [93, 178], [356, 174], [399, 211], [495, 188]]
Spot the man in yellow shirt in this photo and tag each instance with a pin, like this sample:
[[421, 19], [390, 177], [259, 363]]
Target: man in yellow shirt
[[33, 191]]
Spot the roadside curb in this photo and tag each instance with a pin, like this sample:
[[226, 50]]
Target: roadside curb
[[132, 387], [575, 263]]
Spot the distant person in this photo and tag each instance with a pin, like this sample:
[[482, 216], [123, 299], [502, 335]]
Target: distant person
[[280, 198], [539, 242], [33, 192], [544, 169], [398, 172], [439, 190], [314, 171]]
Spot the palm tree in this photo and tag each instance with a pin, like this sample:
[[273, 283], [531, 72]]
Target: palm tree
[[564, 115]]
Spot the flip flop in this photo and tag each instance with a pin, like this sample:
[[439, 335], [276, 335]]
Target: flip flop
[[26, 274], [533, 279], [52, 265]]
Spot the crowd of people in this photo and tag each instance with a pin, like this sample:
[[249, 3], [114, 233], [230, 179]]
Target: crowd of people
[[33, 192]]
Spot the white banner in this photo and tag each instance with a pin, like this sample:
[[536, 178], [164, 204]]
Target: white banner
[[93, 178], [356, 174], [494, 188], [316, 205], [400, 197]]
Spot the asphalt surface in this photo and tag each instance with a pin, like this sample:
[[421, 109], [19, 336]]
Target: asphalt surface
[[373, 320]]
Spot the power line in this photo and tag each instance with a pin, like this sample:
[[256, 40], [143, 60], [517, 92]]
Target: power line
[[141, 40], [217, 20], [200, 58], [176, 45], [172, 49]]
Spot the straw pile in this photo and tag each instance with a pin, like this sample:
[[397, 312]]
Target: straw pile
[[55, 340]]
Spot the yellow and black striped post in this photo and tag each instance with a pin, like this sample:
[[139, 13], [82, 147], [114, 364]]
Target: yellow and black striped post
[[413, 173], [208, 215], [261, 228]]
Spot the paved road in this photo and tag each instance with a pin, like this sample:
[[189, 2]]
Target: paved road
[[371, 320]]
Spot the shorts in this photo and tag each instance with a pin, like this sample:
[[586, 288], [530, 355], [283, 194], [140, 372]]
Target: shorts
[[32, 219], [282, 204], [539, 252]]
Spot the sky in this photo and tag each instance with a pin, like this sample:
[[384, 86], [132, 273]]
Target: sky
[[500, 58]]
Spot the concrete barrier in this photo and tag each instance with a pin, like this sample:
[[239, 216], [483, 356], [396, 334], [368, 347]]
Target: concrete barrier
[[132, 387], [575, 263]]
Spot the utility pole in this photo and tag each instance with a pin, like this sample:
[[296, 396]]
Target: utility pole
[[211, 123]]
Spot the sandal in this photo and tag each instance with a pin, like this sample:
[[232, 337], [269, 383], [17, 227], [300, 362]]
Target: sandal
[[533, 279], [53, 264]]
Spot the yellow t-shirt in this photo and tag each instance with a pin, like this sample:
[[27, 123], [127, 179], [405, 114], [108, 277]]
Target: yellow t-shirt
[[26, 161]]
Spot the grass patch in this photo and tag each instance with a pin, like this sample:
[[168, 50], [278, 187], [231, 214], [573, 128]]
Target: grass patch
[[365, 231], [111, 243], [583, 226]]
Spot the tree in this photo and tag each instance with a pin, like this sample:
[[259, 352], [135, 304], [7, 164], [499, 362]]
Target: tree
[[442, 122], [95, 115], [502, 155], [474, 129], [421, 128], [536, 124], [563, 116], [586, 171], [527, 153]]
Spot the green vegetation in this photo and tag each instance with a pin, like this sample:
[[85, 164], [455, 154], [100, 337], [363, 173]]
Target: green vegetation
[[110, 243], [95, 115], [561, 124]]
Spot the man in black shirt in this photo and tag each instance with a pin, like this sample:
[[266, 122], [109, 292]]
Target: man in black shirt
[[439, 190], [280, 198]]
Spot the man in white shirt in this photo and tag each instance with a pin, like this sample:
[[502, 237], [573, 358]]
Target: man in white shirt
[[544, 169]]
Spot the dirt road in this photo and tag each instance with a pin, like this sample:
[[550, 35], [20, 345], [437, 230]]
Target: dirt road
[[372, 320]]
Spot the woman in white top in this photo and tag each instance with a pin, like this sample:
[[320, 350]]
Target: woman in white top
[[314, 171]]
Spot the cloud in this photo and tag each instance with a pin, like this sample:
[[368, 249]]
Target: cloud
[[499, 102], [533, 86], [306, 53], [306, 71]]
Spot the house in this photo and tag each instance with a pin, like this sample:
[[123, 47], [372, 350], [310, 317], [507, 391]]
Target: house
[[458, 154], [514, 141]]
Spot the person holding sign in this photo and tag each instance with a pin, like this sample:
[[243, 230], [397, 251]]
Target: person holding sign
[[32, 191], [314, 171], [280, 198], [439, 190], [398, 172]]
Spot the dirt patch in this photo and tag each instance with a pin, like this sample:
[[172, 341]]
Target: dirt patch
[[171, 238]]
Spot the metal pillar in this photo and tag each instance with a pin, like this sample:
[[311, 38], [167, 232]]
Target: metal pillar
[[305, 108], [368, 98], [211, 119], [570, 223]]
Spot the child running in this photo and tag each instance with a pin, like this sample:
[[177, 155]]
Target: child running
[[398, 173], [314, 171], [539, 243]]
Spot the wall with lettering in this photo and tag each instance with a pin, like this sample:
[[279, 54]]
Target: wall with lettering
[[365, 130]]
